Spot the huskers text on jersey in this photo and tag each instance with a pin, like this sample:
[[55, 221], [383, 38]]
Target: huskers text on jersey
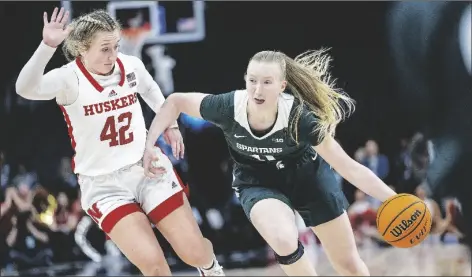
[[111, 105]]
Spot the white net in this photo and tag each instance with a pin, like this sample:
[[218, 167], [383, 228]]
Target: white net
[[132, 42]]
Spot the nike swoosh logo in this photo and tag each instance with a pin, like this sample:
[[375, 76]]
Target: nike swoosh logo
[[236, 136]]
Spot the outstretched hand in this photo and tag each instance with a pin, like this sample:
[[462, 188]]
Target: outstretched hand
[[54, 31]]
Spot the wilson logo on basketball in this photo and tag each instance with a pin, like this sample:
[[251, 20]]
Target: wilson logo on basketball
[[424, 232], [405, 224]]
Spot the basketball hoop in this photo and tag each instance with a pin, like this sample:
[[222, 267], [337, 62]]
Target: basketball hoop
[[133, 39]]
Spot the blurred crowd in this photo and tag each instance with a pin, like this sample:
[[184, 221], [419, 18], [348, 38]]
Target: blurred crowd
[[405, 173], [41, 224]]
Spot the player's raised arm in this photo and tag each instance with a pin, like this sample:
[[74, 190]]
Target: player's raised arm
[[31, 84]]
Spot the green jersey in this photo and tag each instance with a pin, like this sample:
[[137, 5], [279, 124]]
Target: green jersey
[[273, 165], [277, 146]]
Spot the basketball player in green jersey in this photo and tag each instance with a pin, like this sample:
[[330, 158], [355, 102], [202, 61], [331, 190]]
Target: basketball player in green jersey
[[280, 132]]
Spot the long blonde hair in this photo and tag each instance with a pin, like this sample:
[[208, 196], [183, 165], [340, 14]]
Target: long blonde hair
[[83, 31], [310, 82]]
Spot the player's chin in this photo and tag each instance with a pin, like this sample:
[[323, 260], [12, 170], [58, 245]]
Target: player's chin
[[104, 69]]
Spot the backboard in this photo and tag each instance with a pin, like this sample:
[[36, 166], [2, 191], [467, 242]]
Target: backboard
[[168, 21]]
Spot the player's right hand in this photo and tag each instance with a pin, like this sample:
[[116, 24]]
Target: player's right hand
[[150, 159], [54, 31]]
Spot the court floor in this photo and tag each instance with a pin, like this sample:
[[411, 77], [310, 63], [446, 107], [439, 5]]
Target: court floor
[[439, 260], [423, 260]]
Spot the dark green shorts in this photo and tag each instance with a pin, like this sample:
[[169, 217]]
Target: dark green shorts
[[310, 189]]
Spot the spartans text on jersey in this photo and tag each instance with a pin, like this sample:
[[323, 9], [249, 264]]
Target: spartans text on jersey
[[111, 105], [259, 150]]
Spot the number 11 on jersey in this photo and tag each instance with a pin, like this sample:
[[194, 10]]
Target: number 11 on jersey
[[263, 157]]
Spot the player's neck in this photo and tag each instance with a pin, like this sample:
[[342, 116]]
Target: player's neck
[[101, 74], [259, 118]]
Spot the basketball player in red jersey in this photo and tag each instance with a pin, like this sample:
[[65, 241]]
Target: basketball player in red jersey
[[97, 93]]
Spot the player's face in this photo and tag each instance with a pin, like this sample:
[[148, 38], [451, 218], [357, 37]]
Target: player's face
[[264, 83], [102, 54], [371, 148]]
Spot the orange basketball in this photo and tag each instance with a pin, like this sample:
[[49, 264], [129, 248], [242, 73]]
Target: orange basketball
[[403, 220]]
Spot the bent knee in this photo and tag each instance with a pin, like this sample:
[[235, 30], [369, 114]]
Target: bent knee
[[274, 220], [193, 252], [282, 238], [283, 243]]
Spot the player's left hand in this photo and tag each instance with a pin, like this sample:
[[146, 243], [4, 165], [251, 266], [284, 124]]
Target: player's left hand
[[150, 163], [173, 137]]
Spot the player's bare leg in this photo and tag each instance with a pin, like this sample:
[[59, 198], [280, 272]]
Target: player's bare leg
[[144, 251], [275, 221], [183, 233], [338, 241]]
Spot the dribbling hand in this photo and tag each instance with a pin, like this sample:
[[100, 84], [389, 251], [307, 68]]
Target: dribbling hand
[[54, 31], [150, 158]]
